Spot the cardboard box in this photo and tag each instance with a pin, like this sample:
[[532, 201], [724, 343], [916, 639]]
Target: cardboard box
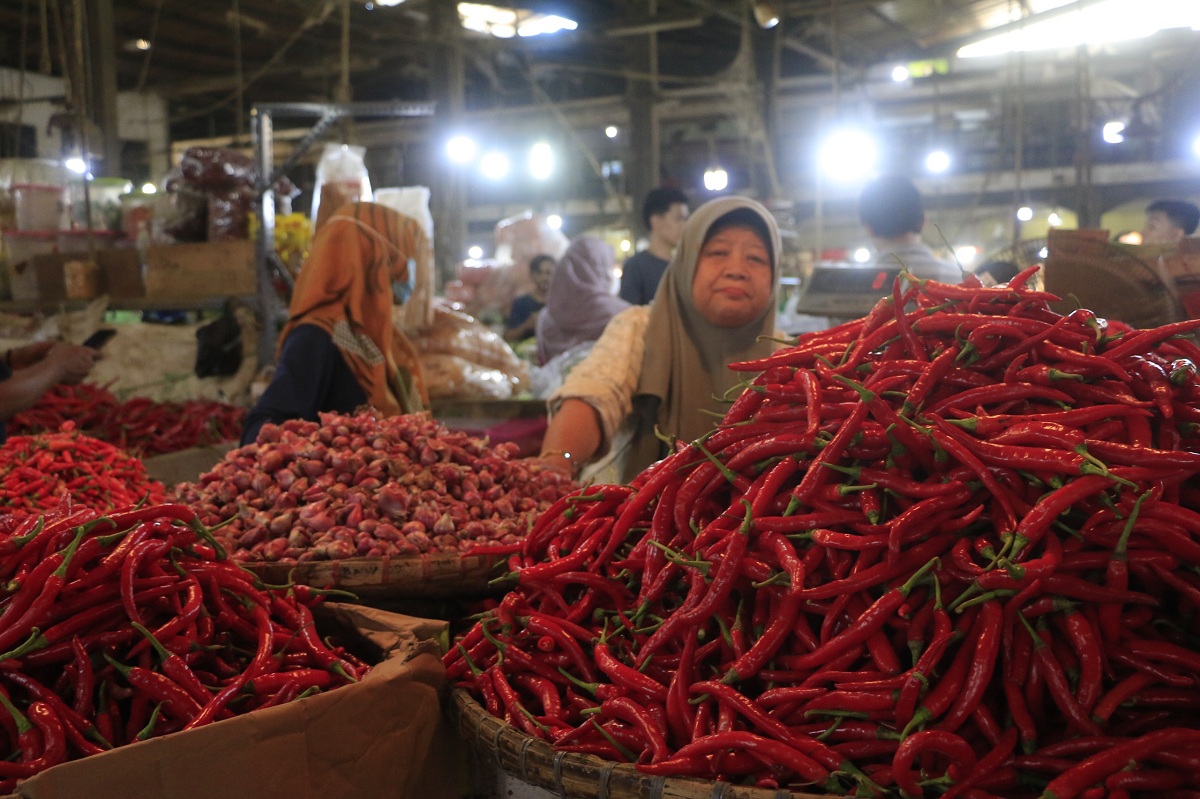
[[61, 276], [373, 738], [181, 271]]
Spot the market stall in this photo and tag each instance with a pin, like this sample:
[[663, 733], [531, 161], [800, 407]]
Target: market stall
[[927, 552]]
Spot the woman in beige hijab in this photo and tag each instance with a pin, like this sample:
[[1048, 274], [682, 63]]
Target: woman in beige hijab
[[665, 365]]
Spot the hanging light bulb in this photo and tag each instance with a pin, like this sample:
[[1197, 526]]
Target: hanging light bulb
[[766, 13]]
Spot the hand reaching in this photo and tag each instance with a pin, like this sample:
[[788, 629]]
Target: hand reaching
[[72, 362]]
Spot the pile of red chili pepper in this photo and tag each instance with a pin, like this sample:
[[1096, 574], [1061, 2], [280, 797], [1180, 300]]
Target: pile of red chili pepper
[[41, 472], [948, 549], [121, 627], [140, 425]]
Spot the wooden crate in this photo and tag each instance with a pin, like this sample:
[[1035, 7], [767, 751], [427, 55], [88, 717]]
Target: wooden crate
[[180, 272]]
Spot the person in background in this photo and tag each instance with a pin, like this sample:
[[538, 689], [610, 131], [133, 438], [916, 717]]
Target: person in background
[[891, 209], [579, 302], [664, 213], [339, 348], [28, 372], [1169, 222], [665, 366], [995, 273], [522, 317]]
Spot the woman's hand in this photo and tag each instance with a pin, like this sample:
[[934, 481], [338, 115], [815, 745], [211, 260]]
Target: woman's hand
[[71, 362], [560, 461], [573, 437]]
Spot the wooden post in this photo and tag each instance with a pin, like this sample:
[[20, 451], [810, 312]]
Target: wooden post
[[103, 83], [448, 195]]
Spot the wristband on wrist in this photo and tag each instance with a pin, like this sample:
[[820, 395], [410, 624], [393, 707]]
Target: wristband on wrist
[[565, 455]]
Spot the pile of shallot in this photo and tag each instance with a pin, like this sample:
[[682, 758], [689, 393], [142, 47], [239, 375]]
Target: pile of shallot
[[361, 486]]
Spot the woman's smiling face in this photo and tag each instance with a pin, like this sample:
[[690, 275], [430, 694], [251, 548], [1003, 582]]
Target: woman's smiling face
[[734, 276]]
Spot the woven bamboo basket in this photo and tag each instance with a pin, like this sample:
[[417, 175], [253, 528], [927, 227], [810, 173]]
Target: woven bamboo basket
[[578, 776], [445, 574]]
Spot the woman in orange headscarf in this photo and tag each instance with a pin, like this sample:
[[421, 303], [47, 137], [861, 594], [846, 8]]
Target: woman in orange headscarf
[[339, 349]]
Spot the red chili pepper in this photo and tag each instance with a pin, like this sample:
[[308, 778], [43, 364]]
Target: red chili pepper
[[919, 744], [1095, 769], [1057, 684], [983, 665]]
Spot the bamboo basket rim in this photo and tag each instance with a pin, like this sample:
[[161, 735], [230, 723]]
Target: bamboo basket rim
[[479, 729], [425, 574]]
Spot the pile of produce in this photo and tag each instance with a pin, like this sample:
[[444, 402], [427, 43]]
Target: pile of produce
[[948, 549], [121, 627], [357, 485], [45, 472], [139, 425]]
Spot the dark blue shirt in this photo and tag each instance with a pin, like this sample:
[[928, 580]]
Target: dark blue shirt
[[523, 307], [311, 377], [640, 277]]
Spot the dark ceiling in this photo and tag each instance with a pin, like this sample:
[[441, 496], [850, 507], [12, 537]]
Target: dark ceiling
[[210, 57]]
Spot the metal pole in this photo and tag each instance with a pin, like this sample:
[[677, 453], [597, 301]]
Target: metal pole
[[268, 300]]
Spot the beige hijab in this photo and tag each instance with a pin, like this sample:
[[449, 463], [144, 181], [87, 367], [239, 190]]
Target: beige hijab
[[684, 369]]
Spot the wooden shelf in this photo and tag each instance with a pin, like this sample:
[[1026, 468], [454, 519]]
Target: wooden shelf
[[132, 304]]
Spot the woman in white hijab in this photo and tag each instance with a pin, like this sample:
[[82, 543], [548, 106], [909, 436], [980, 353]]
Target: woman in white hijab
[[665, 365]]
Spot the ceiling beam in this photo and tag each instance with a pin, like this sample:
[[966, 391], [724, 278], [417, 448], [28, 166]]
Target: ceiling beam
[[652, 24], [187, 88]]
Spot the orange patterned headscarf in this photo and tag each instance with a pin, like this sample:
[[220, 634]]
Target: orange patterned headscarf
[[345, 288]]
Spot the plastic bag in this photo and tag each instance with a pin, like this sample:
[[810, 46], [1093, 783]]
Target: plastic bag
[[456, 333], [219, 346], [451, 377], [341, 178], [217, 168], [229, 213], [413, 202], [548, 378], [223, 169]]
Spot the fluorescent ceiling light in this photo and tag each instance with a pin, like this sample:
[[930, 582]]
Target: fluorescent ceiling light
[[541, 161], [461, 149], [847, 155], [1094, 23], [538, 24], [862, 255], [937, 161], [504, 23], [494, 165], [900, 74], [1113, 132], [554, 221], [716, 179], [966, 254], [1024, 213], [475, 251]]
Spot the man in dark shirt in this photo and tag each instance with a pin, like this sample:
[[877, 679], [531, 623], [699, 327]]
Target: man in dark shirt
[[522, 317], [663, 213]]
